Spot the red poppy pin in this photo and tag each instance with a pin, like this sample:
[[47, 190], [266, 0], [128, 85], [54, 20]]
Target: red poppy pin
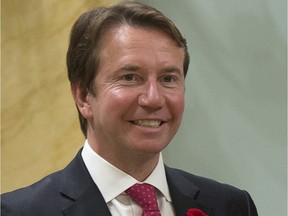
[[195, 212]]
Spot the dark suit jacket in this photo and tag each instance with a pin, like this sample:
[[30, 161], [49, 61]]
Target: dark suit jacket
[[72, 192]]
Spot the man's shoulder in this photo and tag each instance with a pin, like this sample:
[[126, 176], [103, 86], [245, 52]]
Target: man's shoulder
[[204, 184], [46, 196], [38, 196], [214, 194], [35, 192]]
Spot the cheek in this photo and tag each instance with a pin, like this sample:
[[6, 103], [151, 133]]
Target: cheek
[[178, 110], [177, 105], [116, 101]]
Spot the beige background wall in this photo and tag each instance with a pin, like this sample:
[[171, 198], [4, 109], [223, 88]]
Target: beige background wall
[[40, 132]]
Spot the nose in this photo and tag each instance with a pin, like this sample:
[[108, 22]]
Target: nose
[[151, 96]]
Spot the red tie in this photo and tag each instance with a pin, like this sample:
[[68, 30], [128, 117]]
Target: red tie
[[145, 196]]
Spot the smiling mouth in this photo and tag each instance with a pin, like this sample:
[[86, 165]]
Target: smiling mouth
[[148, 123]]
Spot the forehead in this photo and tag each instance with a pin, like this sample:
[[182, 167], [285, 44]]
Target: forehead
[[133, 49], [146, 48], [140, 39], [125, 33]]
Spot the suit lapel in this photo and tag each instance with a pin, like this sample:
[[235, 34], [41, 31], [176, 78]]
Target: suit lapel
[[86, 199], [90, 203], [184, 193], [77, 185]]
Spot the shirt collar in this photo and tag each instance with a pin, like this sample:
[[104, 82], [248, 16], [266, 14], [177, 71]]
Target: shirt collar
[[104, 174]]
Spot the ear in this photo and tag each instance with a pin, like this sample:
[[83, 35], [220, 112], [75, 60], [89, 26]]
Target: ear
[[81, 100]]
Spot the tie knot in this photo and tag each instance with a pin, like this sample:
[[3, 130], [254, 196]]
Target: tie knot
[[144, 195]]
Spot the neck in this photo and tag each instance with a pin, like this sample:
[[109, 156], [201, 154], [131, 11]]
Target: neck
[[141, 167], [138, 165]]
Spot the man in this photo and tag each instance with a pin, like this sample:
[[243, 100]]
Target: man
[[127, 65]]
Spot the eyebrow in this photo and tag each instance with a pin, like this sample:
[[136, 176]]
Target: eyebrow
[[129, 68], [172, 69], [135, 68]]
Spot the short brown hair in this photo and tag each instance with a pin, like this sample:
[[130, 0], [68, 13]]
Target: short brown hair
[[83, 54]]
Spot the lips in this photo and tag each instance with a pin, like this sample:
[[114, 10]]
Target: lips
[[148, 123]]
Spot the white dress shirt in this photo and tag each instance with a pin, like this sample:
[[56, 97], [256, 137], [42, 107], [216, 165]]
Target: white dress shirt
[[112, 183]]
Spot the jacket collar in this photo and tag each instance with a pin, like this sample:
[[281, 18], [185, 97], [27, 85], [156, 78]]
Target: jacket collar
[[184, 193], [86, 199], [77, 185]]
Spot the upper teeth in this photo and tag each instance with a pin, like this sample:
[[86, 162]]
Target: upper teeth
[[148, 123]]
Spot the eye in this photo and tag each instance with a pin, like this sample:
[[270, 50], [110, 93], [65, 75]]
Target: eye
[[128, 77], [167, 79]]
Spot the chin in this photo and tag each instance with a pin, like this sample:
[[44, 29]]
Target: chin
[[151, 148]]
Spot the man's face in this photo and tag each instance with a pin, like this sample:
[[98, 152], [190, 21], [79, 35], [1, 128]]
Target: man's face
[[139, 93]]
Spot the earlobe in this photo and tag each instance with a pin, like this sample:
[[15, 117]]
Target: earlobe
[[81, 100]]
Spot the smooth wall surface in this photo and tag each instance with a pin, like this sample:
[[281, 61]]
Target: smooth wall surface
[[40, 132], [234, 129]]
